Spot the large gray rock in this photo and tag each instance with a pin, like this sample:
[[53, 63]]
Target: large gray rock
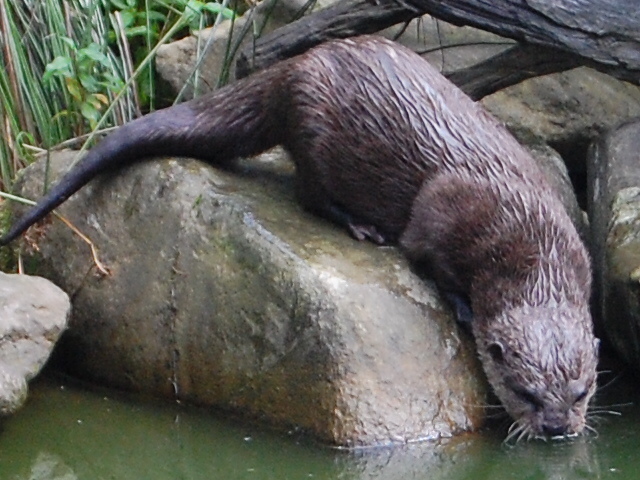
[[33, 314], [565, 110], [224, 292], [614, 208], [446, 46], [199, 60], [556, 171]]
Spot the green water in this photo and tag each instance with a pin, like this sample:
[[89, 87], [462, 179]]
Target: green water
[[66, 432]]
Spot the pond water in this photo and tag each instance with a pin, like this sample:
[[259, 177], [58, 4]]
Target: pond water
[[67, 432]]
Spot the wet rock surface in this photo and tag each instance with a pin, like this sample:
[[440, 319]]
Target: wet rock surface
[[33, 314], [224, 292], [614, 195]]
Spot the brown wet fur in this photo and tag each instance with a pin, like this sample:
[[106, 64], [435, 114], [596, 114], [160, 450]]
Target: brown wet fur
[[386, 146]]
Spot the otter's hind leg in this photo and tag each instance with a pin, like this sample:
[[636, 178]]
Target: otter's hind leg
[[358, 229], [315, 198]]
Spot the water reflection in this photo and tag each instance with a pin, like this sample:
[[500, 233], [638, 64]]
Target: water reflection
[[477, 458], [68, 433], [50, 467]]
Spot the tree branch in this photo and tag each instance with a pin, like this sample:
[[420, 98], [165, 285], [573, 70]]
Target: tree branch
[[509, 68], [599, 33], [341, 20]]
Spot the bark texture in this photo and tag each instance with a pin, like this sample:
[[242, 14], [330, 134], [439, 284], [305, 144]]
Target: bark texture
[[597, 33]]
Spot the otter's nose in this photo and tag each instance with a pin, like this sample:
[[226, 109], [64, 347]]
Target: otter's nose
[[553, 429]]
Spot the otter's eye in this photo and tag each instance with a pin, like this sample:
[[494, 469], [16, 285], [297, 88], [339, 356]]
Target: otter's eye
[[529, 397], [582, 396]]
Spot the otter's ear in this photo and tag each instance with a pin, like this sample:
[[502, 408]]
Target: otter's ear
[[496, 351]]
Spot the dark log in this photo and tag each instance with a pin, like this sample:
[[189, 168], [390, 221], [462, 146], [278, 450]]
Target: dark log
[[599, 33], [511, 67], [341, 20]]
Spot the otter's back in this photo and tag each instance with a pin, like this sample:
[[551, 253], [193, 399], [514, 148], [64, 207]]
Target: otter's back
[[371, 121]]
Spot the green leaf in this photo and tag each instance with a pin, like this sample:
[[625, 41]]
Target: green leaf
[[112, 82], [89, 112], [69, 42], [136, 31], [193, 10], [119, 4], [154, 16], [58, 67], [125, 5], [94, 52], [128, 18], [213, 7], [89, 82]]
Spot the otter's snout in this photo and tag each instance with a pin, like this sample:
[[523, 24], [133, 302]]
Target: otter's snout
[[555, 428], [554, 422]]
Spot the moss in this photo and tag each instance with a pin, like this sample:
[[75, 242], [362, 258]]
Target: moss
[[8, 257], [197, 202], [33, 264], [9, 253]]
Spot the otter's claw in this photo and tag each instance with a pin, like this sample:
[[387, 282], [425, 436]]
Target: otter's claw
[[364, 232]]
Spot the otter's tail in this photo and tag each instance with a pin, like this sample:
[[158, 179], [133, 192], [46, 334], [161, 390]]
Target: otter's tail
[[237, 120]]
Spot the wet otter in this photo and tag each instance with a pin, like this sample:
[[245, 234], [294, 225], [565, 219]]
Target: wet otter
[[386, 146]]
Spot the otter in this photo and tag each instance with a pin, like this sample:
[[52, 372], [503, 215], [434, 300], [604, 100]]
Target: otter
[[387, 147]]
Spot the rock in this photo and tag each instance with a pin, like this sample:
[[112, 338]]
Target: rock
[[556, 171], [177, 61], [211, 52], [614, 209], [565, 110], [33, 314], [223, 292], [446, 46], [269, 15]]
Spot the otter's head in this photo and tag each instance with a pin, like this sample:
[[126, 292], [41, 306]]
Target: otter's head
[[541, 363]]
